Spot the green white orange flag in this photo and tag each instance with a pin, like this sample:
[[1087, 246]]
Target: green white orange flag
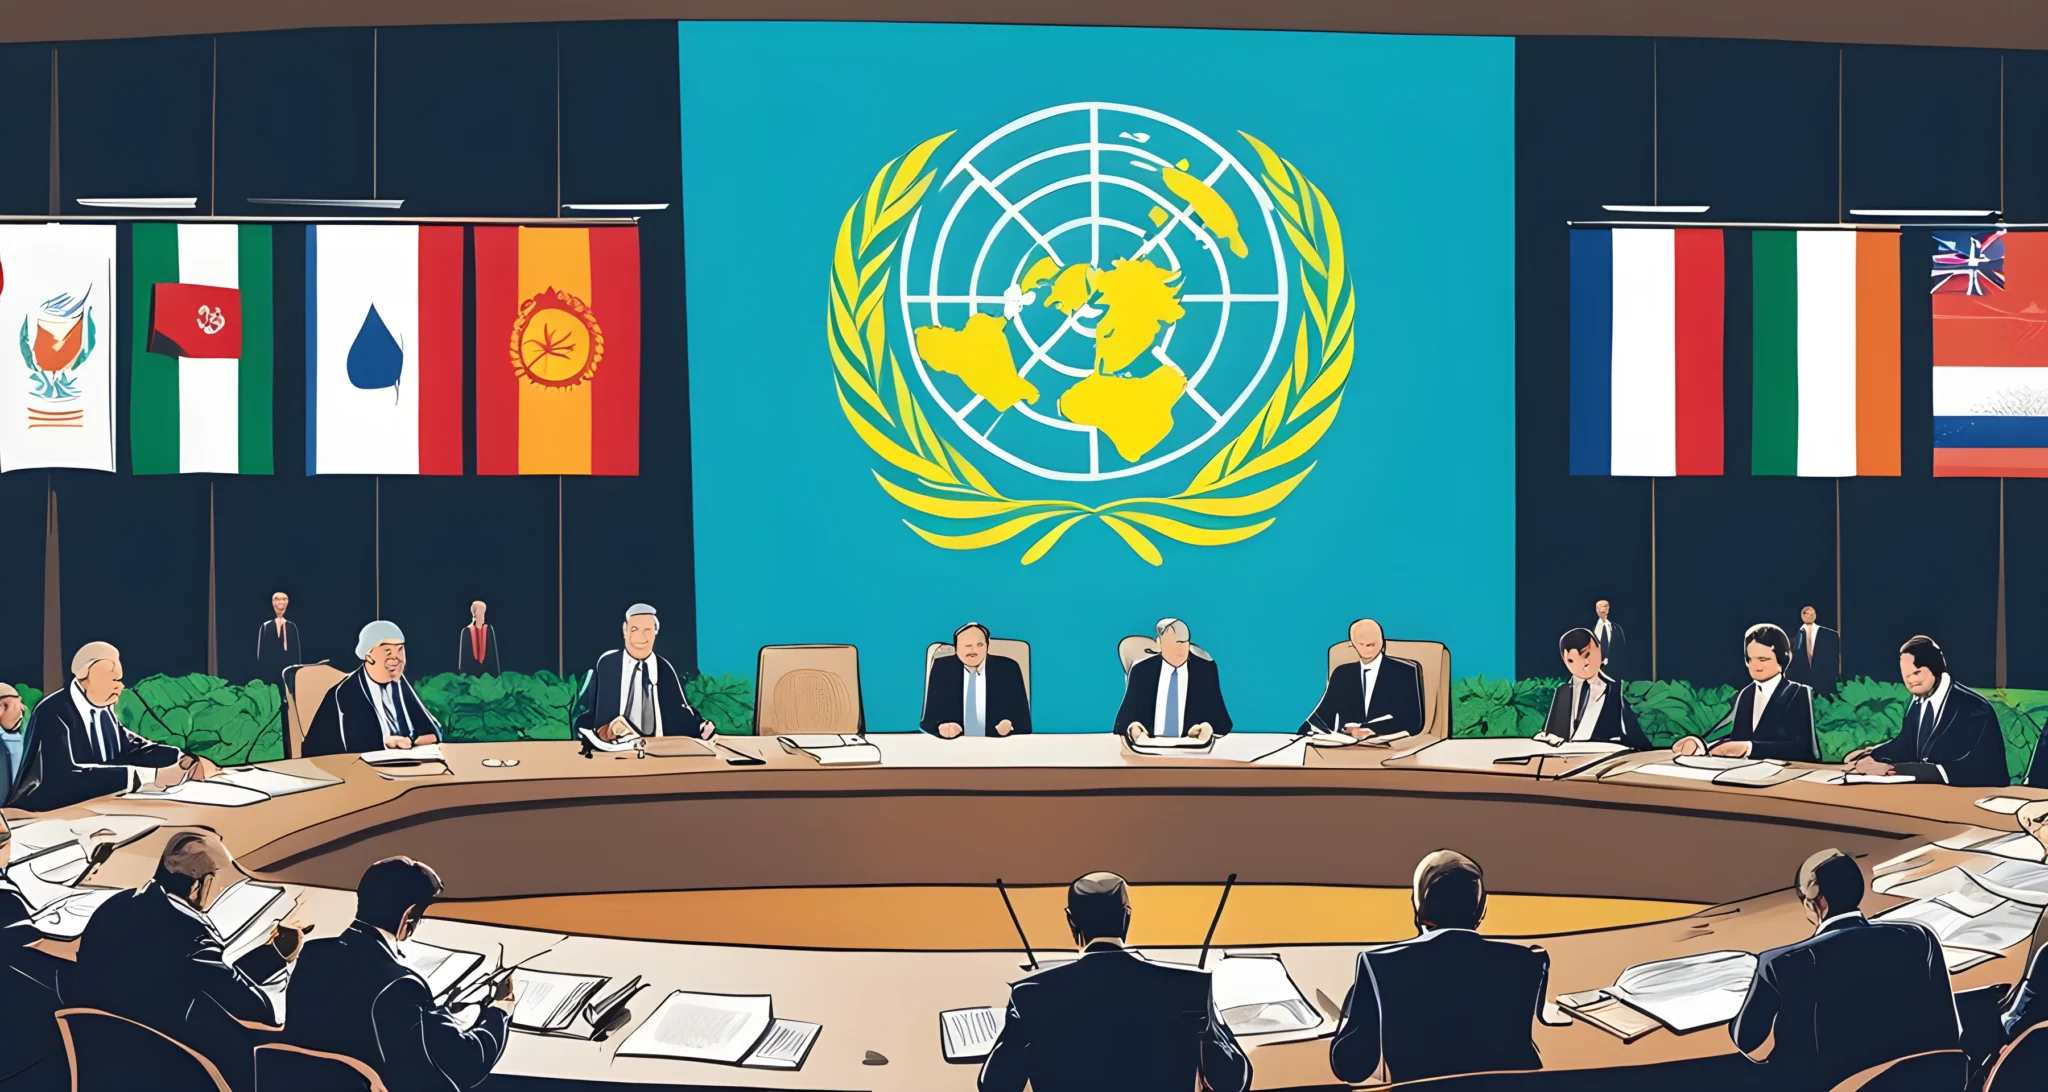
[[200, 398], [1826, 354]]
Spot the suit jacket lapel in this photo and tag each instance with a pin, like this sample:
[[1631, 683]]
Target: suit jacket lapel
[[1942, 720]]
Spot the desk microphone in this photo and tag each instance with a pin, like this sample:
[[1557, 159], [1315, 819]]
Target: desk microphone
[[1017, 925], [1220, 903]]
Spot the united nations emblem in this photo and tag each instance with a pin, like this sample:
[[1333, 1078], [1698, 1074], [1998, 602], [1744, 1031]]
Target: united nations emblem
[[1091, 299]]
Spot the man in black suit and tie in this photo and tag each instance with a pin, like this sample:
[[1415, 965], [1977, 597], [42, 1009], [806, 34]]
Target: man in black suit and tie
[[1950, 734], [1112, 1019], [1449, 1001], [374, 707], [1608, 632], [152, 955], [1853, 995], [350, 995], [1816, 653], [77, 749], [277, 642], [1589, 705], [972, 693], [637, 691], [31, 1053], [1380, 695], [1172, 692], [1772, 717]]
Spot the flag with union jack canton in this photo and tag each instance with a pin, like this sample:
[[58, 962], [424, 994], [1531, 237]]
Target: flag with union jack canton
[[1968, 263]]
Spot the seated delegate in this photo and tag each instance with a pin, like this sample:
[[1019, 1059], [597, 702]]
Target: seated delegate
[[1589, 705], [1379, 695], [1449, 1001], [1772, 717], [1949, 735], [634, 691], [972, 693], [78, 749], [1172, 692], [373, 707]]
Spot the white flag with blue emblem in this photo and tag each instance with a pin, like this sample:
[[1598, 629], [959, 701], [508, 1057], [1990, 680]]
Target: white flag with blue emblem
[[57, 319]]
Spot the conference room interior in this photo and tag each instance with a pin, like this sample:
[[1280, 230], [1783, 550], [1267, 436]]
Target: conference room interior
[[873, 939]]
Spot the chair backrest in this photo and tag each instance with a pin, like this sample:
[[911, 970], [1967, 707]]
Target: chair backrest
[[2023, 1065], [282, 1067], [801, 689], [109, 1053], [1138, 646], [1932, 1071], [1434, 659], [1019, 651], [305, 687]]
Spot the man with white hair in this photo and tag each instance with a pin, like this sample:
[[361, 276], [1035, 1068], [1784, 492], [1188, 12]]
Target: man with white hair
[[77, 749], [632, 690], [373, 707], [1173, 692]]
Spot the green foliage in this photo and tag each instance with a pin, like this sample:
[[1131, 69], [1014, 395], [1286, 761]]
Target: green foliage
[[205, 716], [725, 700], [1670, 710], [1499, 708], [499, 708]]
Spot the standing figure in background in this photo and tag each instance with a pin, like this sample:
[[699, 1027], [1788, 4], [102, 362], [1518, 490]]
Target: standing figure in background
[[1816, 653], [277, 641], [476, 650], [1613, 642]]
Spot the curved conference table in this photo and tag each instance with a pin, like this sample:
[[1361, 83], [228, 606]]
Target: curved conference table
[[862, 898]]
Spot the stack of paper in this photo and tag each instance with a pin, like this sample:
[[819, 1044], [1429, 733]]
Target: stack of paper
[[552, 1003], [411, 756], [446, 970], [724, 1028], [272, 783], [1684, 994], [1747, 772], [1256, 996], [1171, 745], [210, 793], [1984, 922], [834, 750], [968, 1035], [36, 836]]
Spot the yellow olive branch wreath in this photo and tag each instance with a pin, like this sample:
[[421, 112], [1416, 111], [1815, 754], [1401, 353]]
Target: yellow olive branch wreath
[[943, 484]]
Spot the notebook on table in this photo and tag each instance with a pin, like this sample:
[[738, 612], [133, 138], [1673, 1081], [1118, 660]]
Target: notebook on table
[[730, 1029]]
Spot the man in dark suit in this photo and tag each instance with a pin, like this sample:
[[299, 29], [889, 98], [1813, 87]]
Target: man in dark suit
[[1994, 1016], [350, 994], [1772, 717], [1853, 995], [1380, 695], [77, 749], [1449, 1001], [1816, 653], [374, 707], [634, 690], [1172, 692], [972, 693], [1612, 640], [1589, 705], [153, 956], [277, 642], [476, 647], [1950, 734], [31, 1054], [1112, 1019]]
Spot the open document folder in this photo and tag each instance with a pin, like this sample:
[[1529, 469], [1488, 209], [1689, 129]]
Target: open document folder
[[1684, 994], [833, 750], [725, 1028], [237, 787], [553, 1003]]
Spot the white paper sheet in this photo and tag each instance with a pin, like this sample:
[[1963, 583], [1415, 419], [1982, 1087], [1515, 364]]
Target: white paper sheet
[[409, 756], [1962, 959], [269, 782], [967, 1035], [1255, 995], [208, 793], [2002, 805], [1992, 931], [1682, 773], [784, 1046], [705, 1027], [1690, 992]]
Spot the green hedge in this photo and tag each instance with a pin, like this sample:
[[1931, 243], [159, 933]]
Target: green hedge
[[1862, 712], [233, 724]]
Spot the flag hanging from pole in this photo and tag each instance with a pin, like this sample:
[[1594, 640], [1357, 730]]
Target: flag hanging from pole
[[1646, 309], [557, 350], [1990, 301], [57, 314], [1825, 328], [200, 385]]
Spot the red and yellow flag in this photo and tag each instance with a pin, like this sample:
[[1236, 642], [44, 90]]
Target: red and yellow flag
[[557, 350]]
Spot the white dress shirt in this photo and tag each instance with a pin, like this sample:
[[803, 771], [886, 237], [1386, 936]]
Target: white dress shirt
[[1584, 729], [978, 678], [1601, 630], [648, 722], [1930, 715], [1368, 677], [1764, 690], [1812, 631], [1833, 918], [1166, 672], [90, 713]]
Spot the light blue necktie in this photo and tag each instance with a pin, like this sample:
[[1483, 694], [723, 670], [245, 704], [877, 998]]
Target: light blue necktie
[[1169, 725], [973, 716]]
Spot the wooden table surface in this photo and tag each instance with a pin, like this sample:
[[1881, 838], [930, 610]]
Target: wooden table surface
[[1040, 810]]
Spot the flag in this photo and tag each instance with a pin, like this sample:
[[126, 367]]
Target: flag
[[201, 379], [57, 313], [1825, 331], [1646, 351], [557, 350], [1990, 301], [383, 349]]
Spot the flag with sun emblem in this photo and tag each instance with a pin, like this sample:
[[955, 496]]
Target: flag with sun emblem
[[557, 350]]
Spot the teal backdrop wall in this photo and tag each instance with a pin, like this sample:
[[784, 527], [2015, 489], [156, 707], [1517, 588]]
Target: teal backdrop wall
[[1409, 515]]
